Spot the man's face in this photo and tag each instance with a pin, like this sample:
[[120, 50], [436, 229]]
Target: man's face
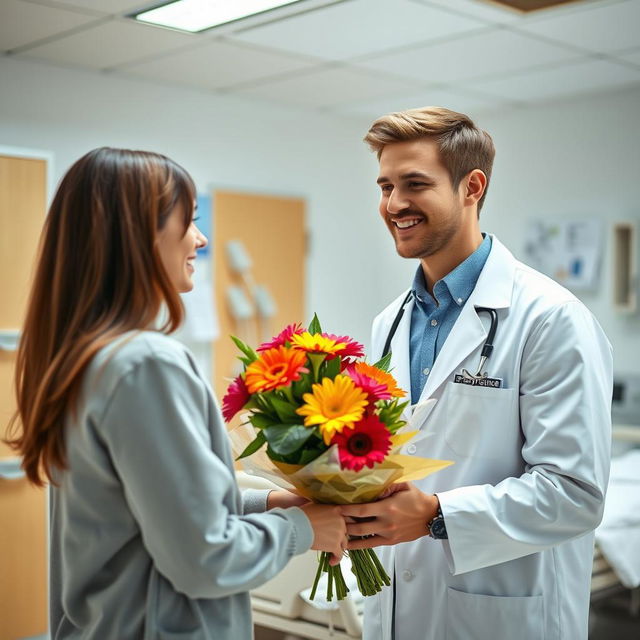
[[418, 204]]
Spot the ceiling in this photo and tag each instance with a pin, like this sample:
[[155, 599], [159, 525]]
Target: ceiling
[[350, 57]]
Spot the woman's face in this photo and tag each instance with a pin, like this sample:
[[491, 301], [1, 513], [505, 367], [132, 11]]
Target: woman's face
[[178, 249]]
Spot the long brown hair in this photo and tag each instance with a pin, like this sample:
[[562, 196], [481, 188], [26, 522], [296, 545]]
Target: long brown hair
[[98, 275]]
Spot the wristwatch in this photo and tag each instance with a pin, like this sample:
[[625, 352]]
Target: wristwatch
[[437, 527]]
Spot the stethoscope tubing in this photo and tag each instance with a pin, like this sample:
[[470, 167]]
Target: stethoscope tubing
[[487, 347]]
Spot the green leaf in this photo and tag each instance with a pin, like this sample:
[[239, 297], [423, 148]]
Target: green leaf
[[253, 446], [331, 368], [314, 327], [246, 349], [384, 362], [285, 439], [285, 410], [261, 421], [302, 386], [309, 455]]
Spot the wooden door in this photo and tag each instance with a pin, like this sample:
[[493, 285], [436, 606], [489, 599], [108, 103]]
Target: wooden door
[[23, 508], [273, 232]]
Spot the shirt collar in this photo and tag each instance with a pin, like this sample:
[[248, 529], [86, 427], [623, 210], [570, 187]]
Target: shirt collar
[[460, 282]]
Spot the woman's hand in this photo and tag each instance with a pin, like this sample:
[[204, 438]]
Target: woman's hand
[[280, 498], [329, 529]]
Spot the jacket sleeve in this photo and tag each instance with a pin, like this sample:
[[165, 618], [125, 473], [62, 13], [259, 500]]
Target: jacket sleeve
[[565, 416], [182, 494]]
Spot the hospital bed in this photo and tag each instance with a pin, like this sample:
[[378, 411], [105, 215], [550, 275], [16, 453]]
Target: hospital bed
[[616, 560]]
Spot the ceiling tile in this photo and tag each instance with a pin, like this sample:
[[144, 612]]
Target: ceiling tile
[[22, 23], [349, 29], [604, 28], [590, 76], [632, 56], [218, 64], [493, 52], [110, 44], [491, 12], [107, 7], [486, 11], [451, 99], [326, 88]]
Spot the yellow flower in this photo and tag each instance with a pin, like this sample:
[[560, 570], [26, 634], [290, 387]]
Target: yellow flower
[[381, 377], [316, 343], [333, 405]]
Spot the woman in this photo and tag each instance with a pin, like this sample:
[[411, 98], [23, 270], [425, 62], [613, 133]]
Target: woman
[[150, 537]]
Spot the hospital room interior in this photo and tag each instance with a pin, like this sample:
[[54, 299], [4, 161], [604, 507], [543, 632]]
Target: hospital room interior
[[267, 112]]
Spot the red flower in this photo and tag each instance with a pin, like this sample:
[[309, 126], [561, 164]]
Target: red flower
[[236, 397], [352, 349], [282, 338], [367, 443], [375, 390]]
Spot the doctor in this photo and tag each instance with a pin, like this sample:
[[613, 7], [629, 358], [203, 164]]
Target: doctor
[[499, 545]]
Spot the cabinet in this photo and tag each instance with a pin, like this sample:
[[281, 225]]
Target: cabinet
[[625, 267]]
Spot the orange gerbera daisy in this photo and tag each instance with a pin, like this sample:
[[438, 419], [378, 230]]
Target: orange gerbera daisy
[[382, 377], [275, 368]]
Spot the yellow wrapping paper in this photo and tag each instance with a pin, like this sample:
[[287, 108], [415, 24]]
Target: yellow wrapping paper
[[323, 480]]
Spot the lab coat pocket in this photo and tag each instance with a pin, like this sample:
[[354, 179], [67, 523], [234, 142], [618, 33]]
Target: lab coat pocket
[[481, 617], [482, 422]]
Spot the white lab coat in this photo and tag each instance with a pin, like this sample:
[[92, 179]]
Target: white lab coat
[[530, 474]]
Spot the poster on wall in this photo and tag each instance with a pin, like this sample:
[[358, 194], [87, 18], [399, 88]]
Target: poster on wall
[[569, 251]]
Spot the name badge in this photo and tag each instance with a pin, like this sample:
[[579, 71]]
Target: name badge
[[494, 383]]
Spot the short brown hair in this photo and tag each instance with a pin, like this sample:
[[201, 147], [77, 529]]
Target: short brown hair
[[462, 145]]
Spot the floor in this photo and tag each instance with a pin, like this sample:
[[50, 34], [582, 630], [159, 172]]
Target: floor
[[608, 621], [612, 620]]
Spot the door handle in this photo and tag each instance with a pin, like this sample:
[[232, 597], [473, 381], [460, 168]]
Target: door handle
[[9, 339], [10, 469]]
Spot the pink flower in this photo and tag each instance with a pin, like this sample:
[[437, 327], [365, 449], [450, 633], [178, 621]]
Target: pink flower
[[282, 338], [375, 390], [352, 349], [236, 397]]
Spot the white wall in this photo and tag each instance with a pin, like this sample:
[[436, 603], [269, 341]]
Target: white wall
[[573, 159], [222, 143]]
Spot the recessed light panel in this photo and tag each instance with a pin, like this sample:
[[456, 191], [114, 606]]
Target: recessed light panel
[[198, 15]]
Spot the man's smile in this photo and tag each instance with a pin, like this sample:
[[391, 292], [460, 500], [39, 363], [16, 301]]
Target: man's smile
[[406, 223]]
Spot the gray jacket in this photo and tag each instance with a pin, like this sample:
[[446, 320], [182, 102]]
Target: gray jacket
[[150, 536]]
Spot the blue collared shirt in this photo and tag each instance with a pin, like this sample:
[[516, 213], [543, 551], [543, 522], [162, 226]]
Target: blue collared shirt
[[432, 317]]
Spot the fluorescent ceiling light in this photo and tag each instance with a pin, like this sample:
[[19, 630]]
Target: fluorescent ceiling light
[[198, 15]]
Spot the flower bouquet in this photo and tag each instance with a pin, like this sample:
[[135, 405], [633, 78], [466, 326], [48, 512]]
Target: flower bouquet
[[333, 428]]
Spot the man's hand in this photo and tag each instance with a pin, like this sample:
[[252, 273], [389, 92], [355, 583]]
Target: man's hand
[[401, 517], [284, 499]]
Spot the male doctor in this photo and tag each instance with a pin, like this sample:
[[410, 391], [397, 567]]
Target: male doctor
[[499, 545]]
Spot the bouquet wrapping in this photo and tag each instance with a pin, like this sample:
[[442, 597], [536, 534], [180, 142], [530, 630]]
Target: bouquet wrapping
[[330, 426]]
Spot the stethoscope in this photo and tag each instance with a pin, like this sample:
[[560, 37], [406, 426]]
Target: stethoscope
[[487, 347]]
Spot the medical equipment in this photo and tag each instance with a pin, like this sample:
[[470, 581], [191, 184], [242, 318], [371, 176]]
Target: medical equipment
[[487, 347], [625, 407], [396, 322]]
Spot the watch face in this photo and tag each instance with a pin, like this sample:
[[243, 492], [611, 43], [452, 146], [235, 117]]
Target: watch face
[[438, 529]]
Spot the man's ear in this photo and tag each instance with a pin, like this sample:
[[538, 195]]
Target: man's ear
[[474, 184]]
